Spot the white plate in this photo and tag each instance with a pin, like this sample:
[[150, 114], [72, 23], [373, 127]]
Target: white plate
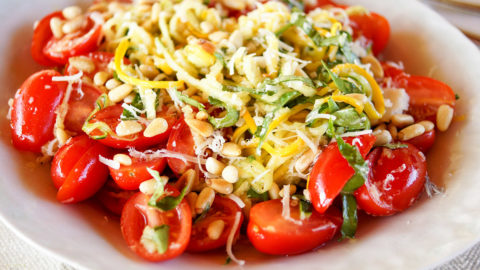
[[426, 235]]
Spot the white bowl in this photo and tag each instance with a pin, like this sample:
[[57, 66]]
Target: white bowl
[[428, 234]]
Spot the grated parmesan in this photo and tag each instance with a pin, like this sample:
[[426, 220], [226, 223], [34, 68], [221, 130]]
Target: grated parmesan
[[109, 162], [231, 237]]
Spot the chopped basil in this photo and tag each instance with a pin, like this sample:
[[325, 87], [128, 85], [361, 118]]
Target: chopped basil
[[394, 146], [160, 238], [203, 214], [169, 202], [350, 218], [356, 161], [306, 208], [351, 120], [251, 193], [300, 20], [189, 101], [133, 113], [295, 4], [284, 79], [220, 58], [228, 260], [159, 186], [457, 97], [230, 119]]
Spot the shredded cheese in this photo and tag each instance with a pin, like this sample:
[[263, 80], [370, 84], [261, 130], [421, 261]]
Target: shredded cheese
[[109, 162], [231, 238]]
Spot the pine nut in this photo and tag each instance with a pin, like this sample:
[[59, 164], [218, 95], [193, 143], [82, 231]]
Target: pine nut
[[214, 166], [123, 159], [201, 115], [87, 80], [186, 180], [82, 63], [215, 229], [204, 200], [129, 99], [217, 37], [402, 120], [61, 136], [71, 12], [274, 192], [148, 187], [382, 137], [56, 25], [235, 4], [444, 117], [112, 83], [206, 27], [231, 149], [192, 199], [428, 125], [393, 131], [120, 92], [73, 25], [411, 132], [236, 38], [220, 185], [375, 66], [148, 71], [382, 126], [200, 127], [292, 189], [157, 126], [304, 162], [230, 174], [100, 78], [125, 128]]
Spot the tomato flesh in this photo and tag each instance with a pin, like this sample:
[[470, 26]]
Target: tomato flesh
[[130, 177], [424, 142], [180, 141], [395, 180], [269, 232], [113, 198], [331, 172], [80, 106], [76, 171]]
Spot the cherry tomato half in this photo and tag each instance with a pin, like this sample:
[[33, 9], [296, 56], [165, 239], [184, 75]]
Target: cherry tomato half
[[111, 116], [137, 214], [180, 141], [99, 59], [269, 232], [113, 198], [41, 35], [221, 209], [33, 111], [76, 171], [81, 104], [331, 171], [395, 180], [424, 142], [130, 177]]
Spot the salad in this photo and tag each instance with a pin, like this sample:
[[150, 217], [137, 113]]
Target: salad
[[201, 122]]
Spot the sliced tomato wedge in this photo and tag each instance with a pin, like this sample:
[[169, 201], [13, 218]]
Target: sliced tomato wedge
[[181, 141], [111, 116], [331, 171], [222, 209], [424, 142], [136, 215], [394, 182], [113, 198], [269, 232], [80, 106], [41, 36], [130, 177]]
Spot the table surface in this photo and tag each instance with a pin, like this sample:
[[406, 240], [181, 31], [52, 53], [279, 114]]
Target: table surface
[[16, 253]]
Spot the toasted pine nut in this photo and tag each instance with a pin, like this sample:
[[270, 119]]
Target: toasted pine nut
[[217, 37], [231, 149], [410, 132], [73, 25], [112, 83], [382, 137], [382, 126], [148, 71], [186, 180], [393, 131], [56, 25], [428, 125], [236, 38], [292, 189], [206, 27], [230, 174], [204, 200], [274, 191], [200, 127], [444, 117], [304, 162], [100, 78], [375, 66], [82, 63], [123, 159], [120, 92], [402, 120], [201, 115], [125, 128], [148, 187], [220, 185], [192, 199], [157, 126], [215, 229], [235, 4], [214, 166], [71, 12]]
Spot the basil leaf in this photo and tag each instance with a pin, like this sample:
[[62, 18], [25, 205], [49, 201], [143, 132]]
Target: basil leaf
[[283, 29], [457, 97], [294, 4], [169, 202], [230, 119], [228, 260], [253, 194], [284, 79], [351, 120], [160, 238], [159, 186], [332, 106], [300, 20], [305, 209], [220, 58], [133, 114], [354, 158], [189, 101], [203, 214], [350, 218]]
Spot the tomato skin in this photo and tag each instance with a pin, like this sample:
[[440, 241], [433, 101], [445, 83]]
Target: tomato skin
[[181, 141], [80, 42], [424, 142], [33, 111], [404, 168], [130, 177], [224, 209], [41, 35], [76, 170], [100, 59], [113, 198], [80, 105], [269, 232], [133, 221], [111, 115], [374, 27], [331, 171]]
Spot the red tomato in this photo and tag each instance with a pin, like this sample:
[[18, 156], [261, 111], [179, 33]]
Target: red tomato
[[331, 172], [269, 232], [81, 104], [33, 111], [83, 41], [113, 198], [395, 180], [111, 116], [100, 59], [426, 94], [222, 209], [77, 172], [309, 5], [423, 142], [374, 27], [137, 214], [41, 35], [130, 177], [180, 141]]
